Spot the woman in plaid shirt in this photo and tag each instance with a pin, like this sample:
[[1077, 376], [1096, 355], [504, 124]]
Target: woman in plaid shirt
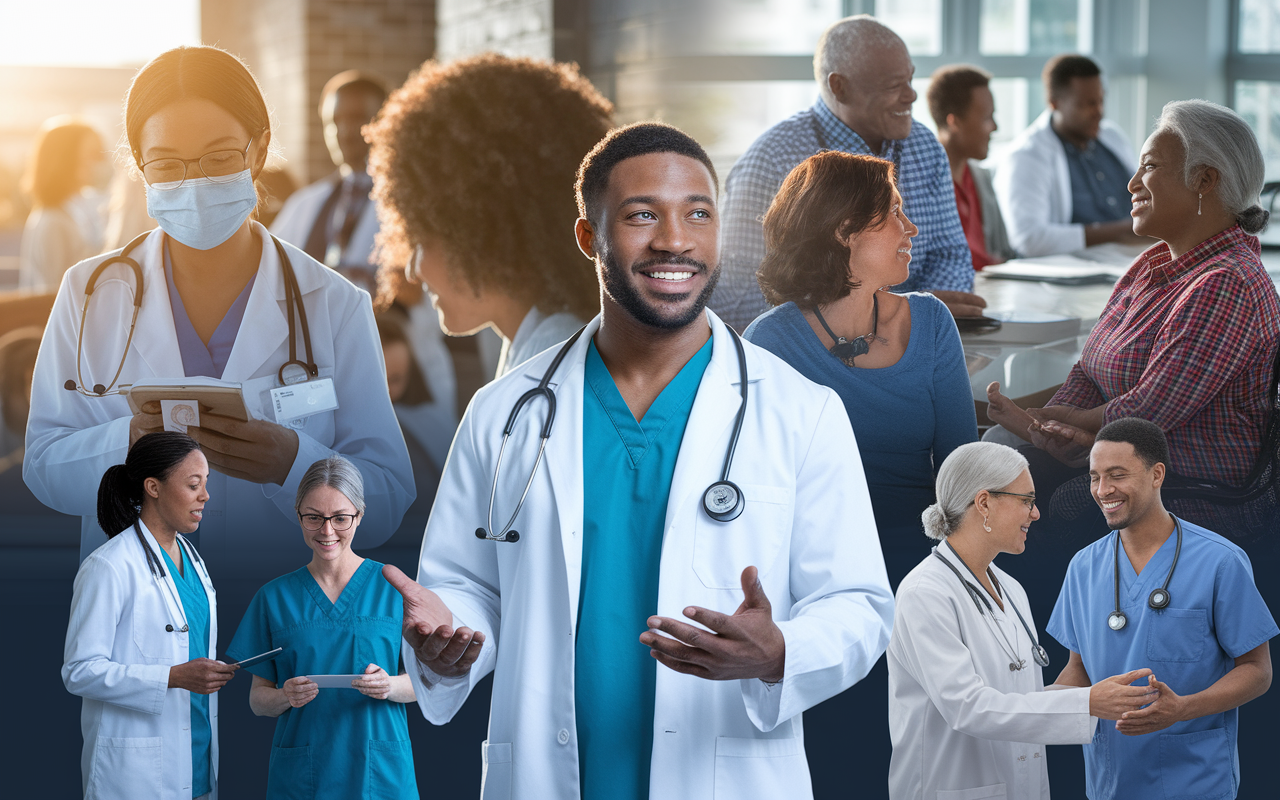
[[1188, 336]]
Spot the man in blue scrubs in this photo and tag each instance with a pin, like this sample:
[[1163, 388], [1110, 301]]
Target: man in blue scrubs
[[1206, 639], [641, 647]]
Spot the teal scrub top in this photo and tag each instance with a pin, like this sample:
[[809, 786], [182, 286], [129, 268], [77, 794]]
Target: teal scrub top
[[624, 510], [343, 743], [1215, 614], [195, 604]]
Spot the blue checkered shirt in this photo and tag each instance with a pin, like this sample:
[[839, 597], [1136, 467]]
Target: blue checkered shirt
[[940, 254]]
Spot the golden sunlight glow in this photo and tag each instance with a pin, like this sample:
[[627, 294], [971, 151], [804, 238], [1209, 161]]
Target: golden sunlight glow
[[94, 33]]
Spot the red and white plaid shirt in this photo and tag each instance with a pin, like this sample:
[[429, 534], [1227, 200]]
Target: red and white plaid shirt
[[1188, 344]]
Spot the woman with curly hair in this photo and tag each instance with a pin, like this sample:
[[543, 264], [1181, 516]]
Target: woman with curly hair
[[473, 167]]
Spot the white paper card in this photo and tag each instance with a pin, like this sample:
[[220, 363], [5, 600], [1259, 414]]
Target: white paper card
[[333, 681], [303, 399], [178, 414]]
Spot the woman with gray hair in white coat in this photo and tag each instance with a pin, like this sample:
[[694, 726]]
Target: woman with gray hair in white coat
[[966, 693]]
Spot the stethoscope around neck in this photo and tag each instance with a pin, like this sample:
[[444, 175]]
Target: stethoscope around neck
[[979, 598], [158, 574], [291, 372], [1159, 597], [723, 500]]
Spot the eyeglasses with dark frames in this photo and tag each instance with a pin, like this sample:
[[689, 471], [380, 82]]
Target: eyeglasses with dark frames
[[1028, 500], [219, 166], [340, 522]]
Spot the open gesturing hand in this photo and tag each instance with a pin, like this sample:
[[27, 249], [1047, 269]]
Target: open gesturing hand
[[747, 644], [428, 628]]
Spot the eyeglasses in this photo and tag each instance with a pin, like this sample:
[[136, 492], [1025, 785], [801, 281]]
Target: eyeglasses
[[1028, 500], [220, 166], [340, 522]]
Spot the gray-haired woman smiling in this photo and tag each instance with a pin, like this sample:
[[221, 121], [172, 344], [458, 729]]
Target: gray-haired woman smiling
[[965, 684], [337, 615]]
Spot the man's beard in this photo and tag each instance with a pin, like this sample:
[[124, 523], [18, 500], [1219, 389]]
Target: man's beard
[[617, 287]]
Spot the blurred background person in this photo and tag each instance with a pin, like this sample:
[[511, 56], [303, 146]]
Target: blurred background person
[[67, 222], [963, 108], [474, 164], [18, 350], [333, 219], [1062, 183], [836, 238], [336, 615]]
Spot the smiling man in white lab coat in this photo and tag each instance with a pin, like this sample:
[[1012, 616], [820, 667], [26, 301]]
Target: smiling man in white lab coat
[[640, 647]]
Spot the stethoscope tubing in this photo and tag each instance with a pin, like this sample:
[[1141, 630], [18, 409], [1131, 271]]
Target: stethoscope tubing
[[1117, 619], [158, 575], [1039, 654]]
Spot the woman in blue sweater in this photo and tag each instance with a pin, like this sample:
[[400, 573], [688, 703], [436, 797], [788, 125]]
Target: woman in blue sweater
[[835, 238]]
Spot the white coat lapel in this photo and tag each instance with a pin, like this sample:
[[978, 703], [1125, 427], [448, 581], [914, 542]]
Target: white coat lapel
[[264, 314], [155, 338], [714, 409], [169, 589]]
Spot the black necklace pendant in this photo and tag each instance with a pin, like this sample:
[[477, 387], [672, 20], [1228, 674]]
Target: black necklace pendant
[[847, 350]]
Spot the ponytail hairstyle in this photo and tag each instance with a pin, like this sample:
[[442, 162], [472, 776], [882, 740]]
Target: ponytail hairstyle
[[971, 468], [120, 494]]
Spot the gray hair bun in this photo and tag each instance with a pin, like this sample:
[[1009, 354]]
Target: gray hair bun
[[1253, 219], [935, 522]]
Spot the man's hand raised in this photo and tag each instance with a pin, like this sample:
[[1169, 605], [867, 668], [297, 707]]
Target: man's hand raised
[[428, 628], [745, 645]]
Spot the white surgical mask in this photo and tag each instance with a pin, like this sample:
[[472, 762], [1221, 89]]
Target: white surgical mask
[[200, 213]]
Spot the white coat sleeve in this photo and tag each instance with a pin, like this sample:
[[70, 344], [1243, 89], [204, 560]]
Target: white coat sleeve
[[97, 607], [71, 439], [926, 634], [841, 606], [365, 431], [1025, 184], [462, 571]]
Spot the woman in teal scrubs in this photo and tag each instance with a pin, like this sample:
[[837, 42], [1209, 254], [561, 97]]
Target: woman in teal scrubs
[[336, 615]]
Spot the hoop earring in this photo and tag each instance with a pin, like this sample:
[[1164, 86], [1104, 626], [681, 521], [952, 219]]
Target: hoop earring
[[1199, 203], [985, 525]]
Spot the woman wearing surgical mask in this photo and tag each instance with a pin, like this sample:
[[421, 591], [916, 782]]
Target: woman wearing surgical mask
[[66, 220], [214, 303]]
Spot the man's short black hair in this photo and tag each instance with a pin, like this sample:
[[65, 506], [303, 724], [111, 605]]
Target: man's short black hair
[[1149, 442], [354, 79], [637, 139], [951, 90], [1062, 69]]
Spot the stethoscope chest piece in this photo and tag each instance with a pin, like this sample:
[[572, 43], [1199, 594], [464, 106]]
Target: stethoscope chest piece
[[292, 373], [1159, 599], [723, 501], [1116, 620], [1040, 655], [169, 629]]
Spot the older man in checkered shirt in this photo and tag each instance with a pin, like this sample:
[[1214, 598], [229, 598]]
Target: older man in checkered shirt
[[864, 75]]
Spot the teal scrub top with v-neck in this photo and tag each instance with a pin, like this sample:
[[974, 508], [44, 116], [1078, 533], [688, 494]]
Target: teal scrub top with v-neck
[[624, 510], [195, 605], [343, 743]]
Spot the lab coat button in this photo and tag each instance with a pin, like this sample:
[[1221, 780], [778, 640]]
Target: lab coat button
[[563, 736]]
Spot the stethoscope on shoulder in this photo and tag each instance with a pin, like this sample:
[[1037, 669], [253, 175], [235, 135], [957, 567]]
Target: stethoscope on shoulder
[[723, 500], [291, 372], [157, 572], [1159, 597], [979, 598]]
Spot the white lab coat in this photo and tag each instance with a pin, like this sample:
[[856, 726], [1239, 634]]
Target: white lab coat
[[1033, 187], [137, 731], [72, 439], [807, 526], [959, 718]]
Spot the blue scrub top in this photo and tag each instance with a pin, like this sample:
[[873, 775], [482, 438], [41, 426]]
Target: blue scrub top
[[343, 743], [1215, 614], [197, 357], [195, 604], [624, 511]]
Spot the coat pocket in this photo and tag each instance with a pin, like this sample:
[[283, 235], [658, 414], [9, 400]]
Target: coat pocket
[[759, 768], [290, 774], [1196, 766], [126, 767], [495, 781], [995, 791], [722, 550], [389, 773]]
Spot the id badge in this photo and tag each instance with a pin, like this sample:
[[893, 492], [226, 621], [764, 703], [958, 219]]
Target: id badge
[[301, 400]]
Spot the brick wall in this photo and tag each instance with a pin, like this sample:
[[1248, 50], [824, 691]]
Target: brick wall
[[295, 46]]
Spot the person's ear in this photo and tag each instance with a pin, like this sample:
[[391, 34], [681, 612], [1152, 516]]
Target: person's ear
[[1053, 101], [838, 86], [1206, 181], [950, 123], [586, 236], [1157, 475], [151, 488]]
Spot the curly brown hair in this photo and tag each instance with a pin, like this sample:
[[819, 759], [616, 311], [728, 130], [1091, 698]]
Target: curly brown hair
[[827, 195], [481, 155]]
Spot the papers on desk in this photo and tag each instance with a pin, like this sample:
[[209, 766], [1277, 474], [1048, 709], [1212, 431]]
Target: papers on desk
[[1064, 270], [1027, 327]]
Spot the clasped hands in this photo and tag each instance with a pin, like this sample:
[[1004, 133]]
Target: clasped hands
[[1165, 710], [256, 451], [746, 644], [1064, 432]]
